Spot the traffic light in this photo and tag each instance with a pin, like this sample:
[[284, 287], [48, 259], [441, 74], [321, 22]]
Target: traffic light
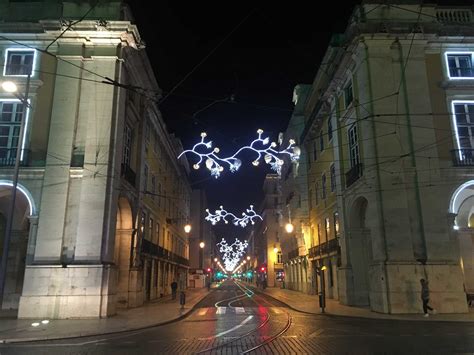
[[263, 269], [209, 270]]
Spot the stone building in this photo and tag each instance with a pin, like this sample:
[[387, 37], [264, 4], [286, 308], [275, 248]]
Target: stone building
[[101, 197], [294, 205], [265, 247], [389, 136]]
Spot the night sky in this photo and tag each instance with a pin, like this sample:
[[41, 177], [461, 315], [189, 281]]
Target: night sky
[[276, 46]]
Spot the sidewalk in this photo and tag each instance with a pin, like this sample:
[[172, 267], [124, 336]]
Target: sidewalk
[[157, 312], [310, 304]]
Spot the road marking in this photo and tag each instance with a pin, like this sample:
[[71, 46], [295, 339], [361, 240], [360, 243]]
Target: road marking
[[239, 310], [233, 328], [221, 310]]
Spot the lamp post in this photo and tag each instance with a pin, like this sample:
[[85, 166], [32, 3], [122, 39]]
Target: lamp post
[[11, 87], [201, 253]]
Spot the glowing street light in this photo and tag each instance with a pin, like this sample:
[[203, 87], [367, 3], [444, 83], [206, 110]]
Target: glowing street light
[[248, 257], [9, 86], [289, 228], [187, 228], [202, 245], [275, 250], [215, 259]]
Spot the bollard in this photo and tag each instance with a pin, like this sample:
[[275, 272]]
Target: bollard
[[182, 299]]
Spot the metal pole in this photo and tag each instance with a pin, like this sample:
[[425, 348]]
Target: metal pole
[[8, 230], [201, 251]]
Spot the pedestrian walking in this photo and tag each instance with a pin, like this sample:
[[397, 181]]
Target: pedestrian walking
[[425, 298], [174, 289]]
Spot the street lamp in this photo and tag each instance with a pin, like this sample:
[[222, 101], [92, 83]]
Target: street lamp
[[11, 87], [289, 228], [201, 253], [248, 257], [187, 228]]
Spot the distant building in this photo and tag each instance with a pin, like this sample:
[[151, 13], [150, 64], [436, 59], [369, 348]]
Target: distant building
[[200, 259], [389, 135], [265, 236], [101, 199], [294, 205]]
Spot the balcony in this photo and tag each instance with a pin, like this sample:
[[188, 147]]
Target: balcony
[[8, 157], [325, 248], [129, 175], [354, 174], [463, 157], [159, 252]]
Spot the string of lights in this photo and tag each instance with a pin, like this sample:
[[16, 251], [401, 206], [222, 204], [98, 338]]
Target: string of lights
[[222, 214], [261, 146], [232, 253]]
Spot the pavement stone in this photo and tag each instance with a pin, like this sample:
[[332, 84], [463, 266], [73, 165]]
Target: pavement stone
[[310, 304], [159, 312]]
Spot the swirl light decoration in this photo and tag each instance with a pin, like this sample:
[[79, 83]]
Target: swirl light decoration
[[222, 214], [261, 146], [231, 254]]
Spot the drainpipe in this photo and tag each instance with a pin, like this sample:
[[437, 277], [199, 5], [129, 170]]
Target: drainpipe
[[423, 256], [377, 172]]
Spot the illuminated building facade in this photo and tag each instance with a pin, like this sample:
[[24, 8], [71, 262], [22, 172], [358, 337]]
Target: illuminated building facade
[[102, 199], [389, 136]]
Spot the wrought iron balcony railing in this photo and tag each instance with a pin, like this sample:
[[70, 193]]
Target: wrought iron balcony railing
[[463, 157], [8, 157], [160, 252], [328, 247], [354, 174]]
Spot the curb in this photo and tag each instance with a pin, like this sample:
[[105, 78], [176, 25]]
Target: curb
[[43, 339], [333, 315]]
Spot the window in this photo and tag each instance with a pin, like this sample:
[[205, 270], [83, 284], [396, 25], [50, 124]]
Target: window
[[333, 177], [327, 228], [19, 62], [315, 152], [353, 146], [460, 65], [127, 145], [145, 178], [321, 141], [310, 201], [464, 121], [143, 223], [279, 257], [319, 233], [323, 186], [11, 114], [336, 224], [150, 228], [348, 95], [331, 280], [153, 186], [329, 129]]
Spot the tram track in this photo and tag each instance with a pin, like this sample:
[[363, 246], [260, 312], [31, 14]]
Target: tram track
[[247, 292]]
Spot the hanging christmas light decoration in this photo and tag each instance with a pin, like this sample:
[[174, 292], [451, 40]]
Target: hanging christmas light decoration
[[222, 214], [231, 254], [261, 146]]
